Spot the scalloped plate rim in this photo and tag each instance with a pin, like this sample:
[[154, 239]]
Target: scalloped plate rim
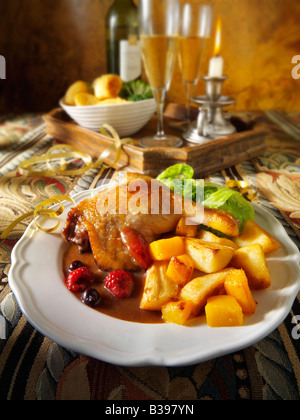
[[152, 353]]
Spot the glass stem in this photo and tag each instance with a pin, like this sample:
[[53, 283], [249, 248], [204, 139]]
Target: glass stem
[[189, 89], [160, 96]]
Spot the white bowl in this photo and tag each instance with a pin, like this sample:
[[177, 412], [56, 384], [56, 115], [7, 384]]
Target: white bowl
[[126, 118]]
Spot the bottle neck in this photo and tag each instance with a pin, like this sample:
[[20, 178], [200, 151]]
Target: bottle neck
[[124, 2]]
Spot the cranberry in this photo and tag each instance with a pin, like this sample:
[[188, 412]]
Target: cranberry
[[91, 298], [74, 265]]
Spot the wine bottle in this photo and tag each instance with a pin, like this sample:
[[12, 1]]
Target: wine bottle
[[122, 42]]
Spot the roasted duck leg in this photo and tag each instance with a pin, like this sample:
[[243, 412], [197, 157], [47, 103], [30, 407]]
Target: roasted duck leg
[[98, 223]]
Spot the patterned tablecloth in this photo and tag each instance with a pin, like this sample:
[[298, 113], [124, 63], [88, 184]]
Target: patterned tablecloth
[[33, 367]]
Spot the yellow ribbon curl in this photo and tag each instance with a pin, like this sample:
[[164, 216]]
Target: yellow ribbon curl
[[49, 159], [250, 193], [41, 211]]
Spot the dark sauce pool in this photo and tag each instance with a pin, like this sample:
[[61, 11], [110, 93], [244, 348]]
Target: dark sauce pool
[[127, 309]]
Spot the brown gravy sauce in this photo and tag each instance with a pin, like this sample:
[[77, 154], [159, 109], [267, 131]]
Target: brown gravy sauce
[[127, 309]]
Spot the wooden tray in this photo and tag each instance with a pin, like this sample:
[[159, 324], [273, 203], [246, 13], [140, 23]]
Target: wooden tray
[[205, 159]]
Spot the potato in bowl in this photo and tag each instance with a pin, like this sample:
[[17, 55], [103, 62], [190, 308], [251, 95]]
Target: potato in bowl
[[127, 107]]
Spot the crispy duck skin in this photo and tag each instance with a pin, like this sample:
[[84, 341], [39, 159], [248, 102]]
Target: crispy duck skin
[[93, 224]]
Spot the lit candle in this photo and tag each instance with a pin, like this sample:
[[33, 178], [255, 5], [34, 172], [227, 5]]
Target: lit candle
[[216, 66], [217, 62]]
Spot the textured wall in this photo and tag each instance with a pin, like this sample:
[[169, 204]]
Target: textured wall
[[259, 39], [50, 43]]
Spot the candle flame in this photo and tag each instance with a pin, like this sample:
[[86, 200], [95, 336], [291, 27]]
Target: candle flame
[[218, 37]]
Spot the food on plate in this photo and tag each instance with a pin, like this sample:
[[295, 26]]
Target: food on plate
[[91, 297], [223, 311], [251, 259], [73, 90], [74, 265], [136, 261], [208, 257], [214, 196], [79, 279], [253, 233], [236, 285], [90, 224], [201, 288], [119, 283], [159, 288], [108, 89], [180, 269], [177, 312], [165, 249], [207, 236], [184, 229], [137, 246]]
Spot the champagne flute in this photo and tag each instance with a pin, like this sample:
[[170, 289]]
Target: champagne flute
[[194, 37], [159, 26]]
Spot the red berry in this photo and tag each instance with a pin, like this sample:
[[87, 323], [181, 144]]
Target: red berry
[[119, 283], [79, 279], [77, 287]]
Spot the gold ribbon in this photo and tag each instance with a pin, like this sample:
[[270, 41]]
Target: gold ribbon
[[41, 211], [27, 167], [243, 187], [107, 130], [50, 160]]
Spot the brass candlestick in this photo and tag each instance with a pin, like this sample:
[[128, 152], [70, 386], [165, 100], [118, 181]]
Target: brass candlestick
[[211, 123]]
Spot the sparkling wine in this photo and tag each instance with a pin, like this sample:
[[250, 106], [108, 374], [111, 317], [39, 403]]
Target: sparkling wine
[[159, 29], [159, 54], [192, 54]]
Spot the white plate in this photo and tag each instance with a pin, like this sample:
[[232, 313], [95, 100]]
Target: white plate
[[37, 280]]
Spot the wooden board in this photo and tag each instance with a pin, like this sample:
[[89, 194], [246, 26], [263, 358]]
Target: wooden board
[[205, 159]]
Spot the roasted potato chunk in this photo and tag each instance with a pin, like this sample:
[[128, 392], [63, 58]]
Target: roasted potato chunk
[[85, 99], [177, 312], [236, 285], [165, 249], [252, 260], [200, 289], [221, 221], [180, 269], [254, 234], [207, 256], [112, 101], [223, 311], [206, 236], [73, 90], [187, 230], [107, 86], [158, 289]]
